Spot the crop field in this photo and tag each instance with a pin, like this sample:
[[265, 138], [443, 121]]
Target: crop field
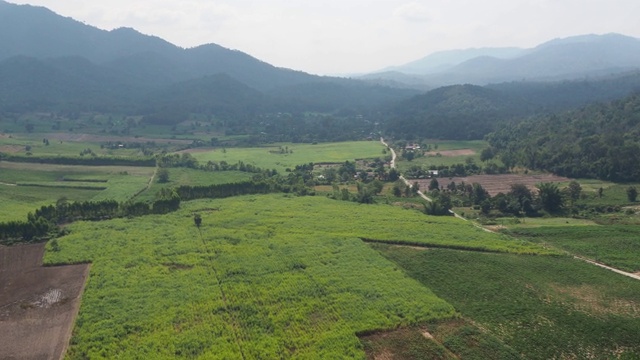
[[267, 276], [614, 245], [26, 187], [193, 177], [33, 144], [543, 307], [283, 156]]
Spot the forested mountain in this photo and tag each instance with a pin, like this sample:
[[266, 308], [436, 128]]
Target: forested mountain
[[576, 57], [598, 141], [454, 112], [471, 112], [52, 63]]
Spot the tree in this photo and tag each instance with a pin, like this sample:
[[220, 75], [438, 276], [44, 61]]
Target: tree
[[197, 219], [487, 154], [393, 175], [163, 175], [550, 197], [574, 189], [632, 193], [434, 185], [521, 198]]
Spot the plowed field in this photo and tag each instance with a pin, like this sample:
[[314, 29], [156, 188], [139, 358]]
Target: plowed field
[[38, 304]]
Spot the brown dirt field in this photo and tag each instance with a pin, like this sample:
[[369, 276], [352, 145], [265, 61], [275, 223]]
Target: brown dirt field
[[38, 305], [495, 184], [460, 152], [11, 149], [72, 137]]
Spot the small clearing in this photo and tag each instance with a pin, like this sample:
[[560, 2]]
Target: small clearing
[[38, 305]]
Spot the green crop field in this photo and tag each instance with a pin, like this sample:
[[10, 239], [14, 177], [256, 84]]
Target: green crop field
[[266, 276], [543, 307], [269, 157], [614, 245], [26, 187], [193, 177]]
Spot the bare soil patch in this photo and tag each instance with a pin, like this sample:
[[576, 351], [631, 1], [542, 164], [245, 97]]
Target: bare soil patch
[[495, 184], [38, 305], [11, 149], [73, 137], [446, 153]]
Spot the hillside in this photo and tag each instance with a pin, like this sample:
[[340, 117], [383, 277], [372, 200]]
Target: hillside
[[598, 141], [52, 63]]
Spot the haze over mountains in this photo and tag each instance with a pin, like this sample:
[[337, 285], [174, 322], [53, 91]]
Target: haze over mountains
[[52, 63], [560, 59]]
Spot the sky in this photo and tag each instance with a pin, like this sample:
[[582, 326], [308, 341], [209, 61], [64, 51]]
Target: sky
[[341, 37]]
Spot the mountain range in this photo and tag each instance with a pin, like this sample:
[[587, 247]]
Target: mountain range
[[52, 63], [560, 59]]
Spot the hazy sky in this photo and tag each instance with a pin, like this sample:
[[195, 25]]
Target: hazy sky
[[352, 36]]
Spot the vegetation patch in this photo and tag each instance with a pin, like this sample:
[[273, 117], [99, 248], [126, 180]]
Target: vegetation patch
[[267, 276], [283, 156], [540, 306], [613, 245], [448, 339]]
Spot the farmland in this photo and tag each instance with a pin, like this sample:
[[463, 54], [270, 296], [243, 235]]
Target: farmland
[[268, 276], [283, 156], [38, 304], [543, 307], [447, 153], [613, 245], [26, 187]]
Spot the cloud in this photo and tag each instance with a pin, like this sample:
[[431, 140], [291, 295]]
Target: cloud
[[413, 12]]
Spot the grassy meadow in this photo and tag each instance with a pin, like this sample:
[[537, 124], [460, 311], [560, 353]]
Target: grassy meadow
[[283, 156], [543, 307]]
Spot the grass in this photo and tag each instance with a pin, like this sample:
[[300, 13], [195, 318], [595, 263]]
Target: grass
[[265, 277], [268, 157], [614, 245], [543, 307]]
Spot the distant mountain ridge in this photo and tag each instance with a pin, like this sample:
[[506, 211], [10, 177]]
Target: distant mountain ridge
[[559, 59], [40, 33]]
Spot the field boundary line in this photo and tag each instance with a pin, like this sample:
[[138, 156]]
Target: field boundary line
[[413, 244], [69, 334], [628, 274]]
